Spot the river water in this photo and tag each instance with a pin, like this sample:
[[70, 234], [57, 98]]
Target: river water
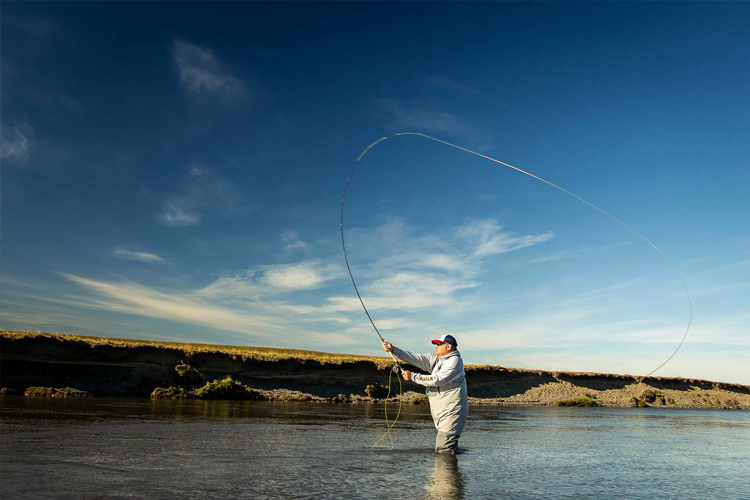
[[135, 448]]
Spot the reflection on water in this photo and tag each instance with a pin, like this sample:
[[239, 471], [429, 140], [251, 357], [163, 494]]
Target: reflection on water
[[446, 481], [137, 448]]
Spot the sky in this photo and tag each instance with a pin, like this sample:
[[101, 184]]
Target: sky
[[174, 171]]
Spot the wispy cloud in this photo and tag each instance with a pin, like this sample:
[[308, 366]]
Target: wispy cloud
[[176, 216], [740, 265], [200, 190], [292, 241], [486, 238], [16, 141], [441, 106], [266, 281], [420, 115], [203, 74], [441, 82], [572, 253], [138, 256], [721, 289], [140, 300], [407, 272]]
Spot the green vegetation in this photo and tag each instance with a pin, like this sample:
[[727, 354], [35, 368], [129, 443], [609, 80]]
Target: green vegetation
[[39, 391], [187, 375], [170, 393], [649, 396], [227, 389], [376, 391], [588, 402], [422, 400], [51, 392], [638, 403]]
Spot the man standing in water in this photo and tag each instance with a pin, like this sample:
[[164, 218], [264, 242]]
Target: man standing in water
[[446, 388]]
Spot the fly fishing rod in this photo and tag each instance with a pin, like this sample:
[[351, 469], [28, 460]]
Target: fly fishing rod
[[396, 366]]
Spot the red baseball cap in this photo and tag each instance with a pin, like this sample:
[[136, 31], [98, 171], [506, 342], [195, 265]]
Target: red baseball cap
[[446, 339]]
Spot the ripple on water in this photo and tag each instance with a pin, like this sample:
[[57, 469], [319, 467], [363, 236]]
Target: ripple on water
[[197, 449]]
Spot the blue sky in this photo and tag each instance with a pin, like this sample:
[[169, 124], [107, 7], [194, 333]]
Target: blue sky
[[174, 171]]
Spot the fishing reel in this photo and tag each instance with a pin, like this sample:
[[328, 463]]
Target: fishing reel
[[395, 368]]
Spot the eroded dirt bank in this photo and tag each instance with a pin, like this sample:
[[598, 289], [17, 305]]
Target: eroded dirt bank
[[117, 370]]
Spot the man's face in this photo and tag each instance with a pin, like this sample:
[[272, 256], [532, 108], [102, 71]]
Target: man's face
[[442, 349]]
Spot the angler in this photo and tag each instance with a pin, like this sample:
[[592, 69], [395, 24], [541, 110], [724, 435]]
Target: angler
[[446, 388]]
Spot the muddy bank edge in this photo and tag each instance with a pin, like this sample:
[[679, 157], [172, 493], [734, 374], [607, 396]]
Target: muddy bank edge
[[102, 369]]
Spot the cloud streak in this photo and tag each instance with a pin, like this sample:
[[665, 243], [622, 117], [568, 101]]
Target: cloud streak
[[137, 256], [16, 141], [139, 300], [272, 280], [407, 272], [292, 241], [202, 73], [441, 82], [201, 190], [420, 115]]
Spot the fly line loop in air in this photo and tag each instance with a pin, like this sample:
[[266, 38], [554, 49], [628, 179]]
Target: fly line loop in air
[[507, 165]]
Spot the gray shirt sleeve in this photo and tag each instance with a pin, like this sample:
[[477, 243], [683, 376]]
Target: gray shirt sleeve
[[449, 371], [421, 361]]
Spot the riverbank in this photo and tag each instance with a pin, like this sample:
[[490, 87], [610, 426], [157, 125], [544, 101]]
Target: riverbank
[[103, 366]]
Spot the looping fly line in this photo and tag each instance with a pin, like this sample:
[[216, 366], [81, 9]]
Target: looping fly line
[[368, 148]]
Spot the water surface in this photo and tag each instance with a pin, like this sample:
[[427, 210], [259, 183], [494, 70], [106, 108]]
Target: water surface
[[135, 448]]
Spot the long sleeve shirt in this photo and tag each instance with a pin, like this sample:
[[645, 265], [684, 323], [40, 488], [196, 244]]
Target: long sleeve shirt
[[445, 372]]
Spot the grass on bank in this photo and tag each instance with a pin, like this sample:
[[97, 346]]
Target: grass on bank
[[254, 352], [278, 353], [265, 353]]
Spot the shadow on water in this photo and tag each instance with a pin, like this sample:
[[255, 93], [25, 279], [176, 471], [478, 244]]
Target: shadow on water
[[446, 480]]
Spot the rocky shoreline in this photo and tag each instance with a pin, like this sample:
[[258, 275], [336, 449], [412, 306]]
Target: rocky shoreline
[[65, 366]]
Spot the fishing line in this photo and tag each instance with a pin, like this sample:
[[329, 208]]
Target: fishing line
[[400, 402], [507, 165]]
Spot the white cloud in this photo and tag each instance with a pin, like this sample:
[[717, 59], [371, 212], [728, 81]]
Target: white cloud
[[292, 241], [201, 72], [139, 256], [409, 272], [487, 239], [740, 265], [303, 276], [139, 300], [273, 280], [420, 115], [16, 142], [200, 190], [176, 216], [393, 324]]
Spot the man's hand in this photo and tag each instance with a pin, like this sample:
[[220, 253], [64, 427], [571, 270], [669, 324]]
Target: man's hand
[[388, 347], [406, 374]]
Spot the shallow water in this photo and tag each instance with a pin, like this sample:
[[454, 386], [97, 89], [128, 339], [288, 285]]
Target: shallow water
[[135, 448]]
